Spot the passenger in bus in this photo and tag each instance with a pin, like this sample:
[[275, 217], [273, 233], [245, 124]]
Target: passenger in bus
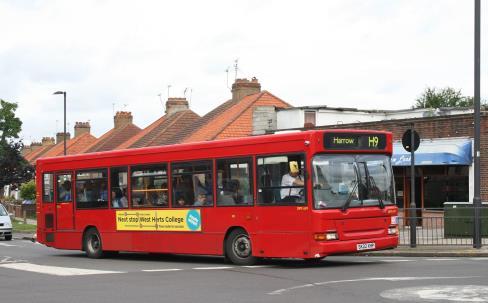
[[201, 200], [180, 202], [292, 178], [65, 191], [162, 200], [103, 192], [162, 196], [118, 199], [206, 186]]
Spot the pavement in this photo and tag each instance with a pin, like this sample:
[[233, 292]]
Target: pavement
[[431, 251], [23, 236]]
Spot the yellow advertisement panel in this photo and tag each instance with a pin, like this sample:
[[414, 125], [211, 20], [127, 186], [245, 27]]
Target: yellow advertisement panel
[[159, 220]]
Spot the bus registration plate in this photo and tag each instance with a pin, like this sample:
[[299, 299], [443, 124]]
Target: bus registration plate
[[364, 246]]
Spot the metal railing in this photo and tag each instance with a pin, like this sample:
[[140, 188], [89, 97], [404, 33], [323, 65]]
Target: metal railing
[[444, 226]]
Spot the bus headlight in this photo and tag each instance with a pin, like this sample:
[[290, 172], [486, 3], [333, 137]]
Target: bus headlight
[[392, 230]]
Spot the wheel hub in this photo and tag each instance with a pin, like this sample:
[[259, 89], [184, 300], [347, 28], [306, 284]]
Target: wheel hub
[[242, 247]]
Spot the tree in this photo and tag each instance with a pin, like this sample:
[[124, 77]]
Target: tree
[[28, 190], [10, 125], [445, 97], [14, 169]]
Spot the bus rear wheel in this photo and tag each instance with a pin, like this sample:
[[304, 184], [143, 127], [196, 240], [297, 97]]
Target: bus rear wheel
[[92, 242], [238, 248]]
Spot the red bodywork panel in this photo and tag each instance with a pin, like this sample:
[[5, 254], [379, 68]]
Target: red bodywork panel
[[275, 231]]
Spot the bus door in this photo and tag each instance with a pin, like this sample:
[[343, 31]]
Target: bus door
[[234, 195], [46, 223], [283, 213], [64, 201]]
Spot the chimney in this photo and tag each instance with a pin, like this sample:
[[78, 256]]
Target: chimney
[[174, 105], [60, 137], [244, 87], [82, 128], [35, 145], [122, 119], [46, 141]]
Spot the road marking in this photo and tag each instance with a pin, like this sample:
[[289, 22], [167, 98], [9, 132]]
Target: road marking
[[444, 259], [56, 270], [7, 245], [391, 279], [393, 261], [215, 267], [162, 269], [257, 266], [457, 293], [7, 259]]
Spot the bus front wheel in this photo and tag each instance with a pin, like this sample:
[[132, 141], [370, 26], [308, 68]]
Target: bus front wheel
[[93, 244], [238, 248]]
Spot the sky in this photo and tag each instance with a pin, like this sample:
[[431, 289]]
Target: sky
[[121, 55]]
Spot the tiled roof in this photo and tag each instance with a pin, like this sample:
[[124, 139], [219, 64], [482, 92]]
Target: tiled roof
[[191, 128], [113, 138], [32, 156], [231, 119], [160, 131], [74, 146]]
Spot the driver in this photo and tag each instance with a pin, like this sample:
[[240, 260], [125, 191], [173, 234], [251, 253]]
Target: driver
[[292, 178]]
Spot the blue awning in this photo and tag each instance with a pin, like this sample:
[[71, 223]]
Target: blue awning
[[435, 152]]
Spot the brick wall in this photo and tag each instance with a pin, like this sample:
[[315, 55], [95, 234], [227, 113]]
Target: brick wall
[[435, 127]]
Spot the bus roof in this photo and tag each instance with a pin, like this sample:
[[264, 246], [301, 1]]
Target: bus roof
[[298, 135]]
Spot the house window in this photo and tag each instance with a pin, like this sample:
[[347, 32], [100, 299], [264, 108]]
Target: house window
[[309, 119]]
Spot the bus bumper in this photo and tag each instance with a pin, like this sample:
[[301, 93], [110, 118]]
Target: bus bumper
[[321, 249]]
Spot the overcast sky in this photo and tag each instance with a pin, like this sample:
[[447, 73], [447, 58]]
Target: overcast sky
[[119, 55]]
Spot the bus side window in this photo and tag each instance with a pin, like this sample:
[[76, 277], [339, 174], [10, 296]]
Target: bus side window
[[118, 187], [149, 186], [48, 188], [192, 183], [91, 189], [281, 179], [234, 182], [64, 189]]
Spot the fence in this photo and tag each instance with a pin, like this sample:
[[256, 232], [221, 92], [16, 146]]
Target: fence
[[21, 210], [445, 226]]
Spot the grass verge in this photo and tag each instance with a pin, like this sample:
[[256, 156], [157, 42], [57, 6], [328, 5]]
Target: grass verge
[[19, 226]]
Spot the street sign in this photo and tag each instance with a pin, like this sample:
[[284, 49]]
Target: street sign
[[406, 139]]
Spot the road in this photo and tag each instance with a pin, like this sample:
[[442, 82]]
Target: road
[[30, 272]]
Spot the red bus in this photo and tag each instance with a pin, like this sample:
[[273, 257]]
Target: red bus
[[297, 195]]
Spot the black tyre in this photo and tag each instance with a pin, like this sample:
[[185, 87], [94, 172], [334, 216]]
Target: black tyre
[[238, 248], [8, 238], [92, 243]]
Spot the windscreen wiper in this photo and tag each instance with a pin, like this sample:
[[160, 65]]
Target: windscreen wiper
[[349, 198], [376, 191]]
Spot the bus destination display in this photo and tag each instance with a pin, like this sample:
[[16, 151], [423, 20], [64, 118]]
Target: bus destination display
[[353, 141]]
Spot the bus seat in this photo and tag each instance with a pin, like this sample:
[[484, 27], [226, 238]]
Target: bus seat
[[226, 199]]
